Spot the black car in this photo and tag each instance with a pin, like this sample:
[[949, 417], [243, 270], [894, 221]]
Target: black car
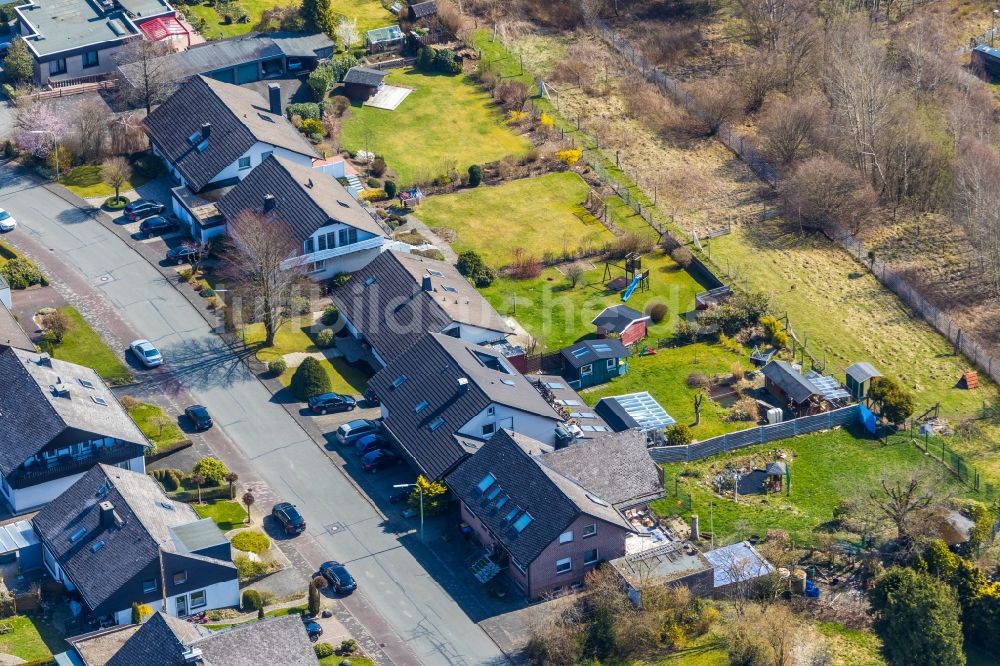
[[289, 517], [199, 417], [143, 208], [325, 403], [379, 459], [155, 225], [338, 576], [312, 628], [182, 253]]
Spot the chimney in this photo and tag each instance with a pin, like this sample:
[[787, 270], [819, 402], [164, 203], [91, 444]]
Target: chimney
[[192, 655], [269, 202], [44, 359], [206, 130], [107, 514], [695, 533], [274, 98], [427, 286], [60, 389], [463, 383]]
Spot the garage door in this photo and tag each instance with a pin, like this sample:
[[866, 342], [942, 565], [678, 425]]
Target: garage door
[[247, 73]]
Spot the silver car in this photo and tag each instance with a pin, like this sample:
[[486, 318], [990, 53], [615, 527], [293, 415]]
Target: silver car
[[147, 354], [7, 221]]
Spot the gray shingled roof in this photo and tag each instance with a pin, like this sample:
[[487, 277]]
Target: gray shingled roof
[[421, 10], [862, 371], [305, 199], [31, 415], [792, 382], [617, 467], [617, 318], [239, 118], [160, 641], [589, 351], [386, 301], [432, 368], [11, 333], [147, 514], [365, 76], [552, 500]]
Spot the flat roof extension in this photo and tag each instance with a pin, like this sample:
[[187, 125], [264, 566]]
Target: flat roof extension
[[72, 25]]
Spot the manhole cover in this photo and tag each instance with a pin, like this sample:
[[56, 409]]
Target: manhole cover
[[105, 278], [334, 528]]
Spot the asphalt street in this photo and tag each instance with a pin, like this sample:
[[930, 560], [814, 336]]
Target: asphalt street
[[395, 593]]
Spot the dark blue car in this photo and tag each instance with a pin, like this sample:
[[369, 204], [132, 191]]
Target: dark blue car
[[367, 444]]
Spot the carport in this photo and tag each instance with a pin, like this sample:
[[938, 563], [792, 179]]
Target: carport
[[18, 542]]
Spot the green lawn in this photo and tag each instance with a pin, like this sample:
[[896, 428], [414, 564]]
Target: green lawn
[[156, 425], [226, 514], [32, 639], [334, 660], [557, 314], [664, 375], [369, 14], [825, 468], [851, 646], [446, 122], [845, 312], [542, 215], [291, 338], [85, 181], [84, 346], [301, 609]]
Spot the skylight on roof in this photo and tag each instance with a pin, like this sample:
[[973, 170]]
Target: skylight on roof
[[77, 535], [99, 400], [421, 406], [202, 147], [97, 546], [486, 483], [555, 385], [167, 505], [508, 382], [513, 512], [581, 352], [451, 289], [436, 423], [193, 139], [370, 281], [435, 273], [503, 500], [522, 522], [602, 348], [398, 381], [493, 493], [86, 383]]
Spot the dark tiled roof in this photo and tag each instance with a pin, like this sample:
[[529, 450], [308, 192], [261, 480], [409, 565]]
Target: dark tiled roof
[[147, 517], [365, 76], [160, 641], [386, 301], [281, 640], [617, 318], [590, 351], [31, 415], [239, 118], [793, 383], [862, 372], [432, 368], [421, 10], [11, 333], [615, 415], [616, 467], [305, 199], [552, 500]]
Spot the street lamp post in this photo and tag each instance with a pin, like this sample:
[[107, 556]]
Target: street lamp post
[[421, 491], [55, 141], [993, 28]]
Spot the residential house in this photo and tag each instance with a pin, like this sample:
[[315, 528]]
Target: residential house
[[114, 538], [791, 388], [239, 60], [594, 362], [58, 420], [543, 528], [73, 40], [443, 397], [622, 322], [362, 83], [212, 135], [399, 297], [334, 233]]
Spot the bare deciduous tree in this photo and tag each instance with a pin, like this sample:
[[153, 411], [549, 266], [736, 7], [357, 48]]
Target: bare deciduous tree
[[259, 246], [717, 102], [903, 502], [115, 172], [89, 124], [126, 134], [347, 33], [825, 194], [790, 128], [573, 273], [977, 205], [150, 80]]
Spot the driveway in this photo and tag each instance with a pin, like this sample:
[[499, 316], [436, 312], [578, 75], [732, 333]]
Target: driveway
[[399, 601]]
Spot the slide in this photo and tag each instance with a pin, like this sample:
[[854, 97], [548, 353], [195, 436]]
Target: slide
[[628, 292]]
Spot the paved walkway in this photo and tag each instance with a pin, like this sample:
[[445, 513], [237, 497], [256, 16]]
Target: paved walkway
[[414, 223]]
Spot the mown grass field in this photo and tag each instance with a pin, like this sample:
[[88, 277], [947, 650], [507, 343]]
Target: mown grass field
[[156, 425], [82, 345], [558, 314], [825, 468], [31, 638], [226, 514], [447, 122], [368, 13]]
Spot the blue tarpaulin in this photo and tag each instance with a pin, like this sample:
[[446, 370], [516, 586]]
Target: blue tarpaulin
[[868, 419]]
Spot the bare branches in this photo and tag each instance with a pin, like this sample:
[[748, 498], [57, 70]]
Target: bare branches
[[790, 128], [151, 80], [825, 194], [902, 502], [977, 204]]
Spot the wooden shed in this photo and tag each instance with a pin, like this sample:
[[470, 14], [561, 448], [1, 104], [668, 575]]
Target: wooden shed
[[795, 391], [621, 321], [361, 83], [859, 379]]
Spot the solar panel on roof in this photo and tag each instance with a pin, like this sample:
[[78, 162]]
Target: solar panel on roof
[[581, 352], [602, 348]]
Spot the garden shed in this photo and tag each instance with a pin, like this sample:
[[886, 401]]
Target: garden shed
[[623, 322], [635, 411], [859, 379], [422, 10], [361, 83], [795, 391], [593, 362]]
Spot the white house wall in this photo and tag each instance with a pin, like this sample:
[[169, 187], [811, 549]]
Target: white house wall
[[218, 595], [256, 157], [524, 423], [37, 496]]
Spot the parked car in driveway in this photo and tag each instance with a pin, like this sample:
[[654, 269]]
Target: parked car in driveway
[[7, 221], [147, 354], [289, 518], [369, 443], [199, 417], [182, 253], [338, 577], [143, 208], [352, 431], [156, 225], [324, 403], [379, 459], [313, 628]]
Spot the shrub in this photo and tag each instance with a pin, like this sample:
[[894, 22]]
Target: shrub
[[374, 183], [300, 305], [470, 263], [116, 203], [22, 273], [338, 280], [309, 379], [277, 366], [305, 110], [213, 469], [373, 195], [895, 402], [475, 175], [251, 541], [677, 435], [207, 292], [570, 156], [348, 646], [446, 62], [656, 312], [324, 339], [484, 277], [320, 81], [745, 409], [525, 266], [390, 189], [169, 478], [311, 126], [425, 59], [252, 600], [377, 167], [698, 380], [330, 315], [682, 256], [323, 650]]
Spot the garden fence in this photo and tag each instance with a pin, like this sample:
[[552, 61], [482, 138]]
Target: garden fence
[[759, 435], [935, 447]]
